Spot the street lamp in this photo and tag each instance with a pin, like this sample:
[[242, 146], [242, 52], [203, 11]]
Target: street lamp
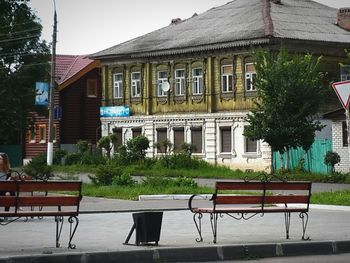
[[52, 89]]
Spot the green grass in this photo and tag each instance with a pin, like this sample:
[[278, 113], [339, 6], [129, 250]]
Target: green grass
[[332, 198], [132, 192]]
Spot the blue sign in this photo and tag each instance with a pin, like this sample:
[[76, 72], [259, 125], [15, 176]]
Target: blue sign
[[57, 113], [115, 111], [42, 93]]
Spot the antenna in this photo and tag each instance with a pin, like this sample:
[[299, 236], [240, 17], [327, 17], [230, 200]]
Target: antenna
[[165, 86]]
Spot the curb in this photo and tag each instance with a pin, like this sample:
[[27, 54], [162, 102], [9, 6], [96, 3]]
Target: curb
[[208, 253]]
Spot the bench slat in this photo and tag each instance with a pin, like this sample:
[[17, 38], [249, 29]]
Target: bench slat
[[38, 213], [31, 186], [257, 185], [48, 201], [287, 199], [238, 199], [8, 186], [7, 201]]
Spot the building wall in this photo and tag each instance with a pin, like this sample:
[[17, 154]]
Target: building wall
[[80, 113], [337, 140], [237, 158]]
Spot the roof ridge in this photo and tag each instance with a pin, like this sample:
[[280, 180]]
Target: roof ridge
[[70, 67], [268, 24]]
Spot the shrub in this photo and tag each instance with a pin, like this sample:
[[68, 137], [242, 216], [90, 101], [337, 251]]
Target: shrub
[[331, 159], [38, 168], [58, 156], [184, 181], [105, 174], [73, 158], [123, 180], [83, 146]]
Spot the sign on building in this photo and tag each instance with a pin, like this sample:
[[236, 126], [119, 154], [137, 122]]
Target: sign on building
[[42, 93], [115, 111]]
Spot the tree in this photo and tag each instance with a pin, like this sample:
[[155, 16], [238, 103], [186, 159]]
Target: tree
[[289, 95], [108, 143], [23, 61]]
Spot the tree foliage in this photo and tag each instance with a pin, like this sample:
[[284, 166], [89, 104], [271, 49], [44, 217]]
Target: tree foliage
[[290, 93], [23, 61]]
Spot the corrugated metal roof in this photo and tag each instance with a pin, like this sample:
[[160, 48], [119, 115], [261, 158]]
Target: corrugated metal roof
[[240, 22], [69, 65]]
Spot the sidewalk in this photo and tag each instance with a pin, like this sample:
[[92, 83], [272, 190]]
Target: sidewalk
[[105, 224]]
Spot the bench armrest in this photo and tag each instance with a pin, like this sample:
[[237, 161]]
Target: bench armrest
[[190, 207]]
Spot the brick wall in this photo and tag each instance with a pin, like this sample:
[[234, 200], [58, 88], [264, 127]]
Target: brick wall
[[337, 138]]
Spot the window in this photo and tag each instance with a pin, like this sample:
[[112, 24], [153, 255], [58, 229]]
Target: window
[[226, 139], [251, 146], [42, 133], [196, 139], [118, 86], [179, 137], [162, 78], [250, 76], [179, 82], [91, 88], [135, 84], [226, 78], [136, 132], [161, 138], [119, 134], [345, 73], [345, 134], [31, 135], [197, 84]]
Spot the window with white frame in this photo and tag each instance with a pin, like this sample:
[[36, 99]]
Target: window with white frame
[[226, 78], [250, 76], [162, 78], [345, 73], [135, 84], [179, 82], [42, 133], [118, 86], [197, 139], [226, 139], [179, 137], [197, 81]]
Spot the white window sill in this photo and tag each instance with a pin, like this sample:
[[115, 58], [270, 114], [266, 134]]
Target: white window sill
[[252, 155]]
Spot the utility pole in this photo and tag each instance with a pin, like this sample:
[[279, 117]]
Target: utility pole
[[52, 90]]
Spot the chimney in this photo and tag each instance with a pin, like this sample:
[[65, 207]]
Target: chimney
[[175, 21], [343, 18], [278, 2]]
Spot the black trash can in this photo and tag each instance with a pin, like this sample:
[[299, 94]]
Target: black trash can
[[147, 226]]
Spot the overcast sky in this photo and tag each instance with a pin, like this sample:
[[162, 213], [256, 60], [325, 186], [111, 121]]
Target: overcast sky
[[89, 26]]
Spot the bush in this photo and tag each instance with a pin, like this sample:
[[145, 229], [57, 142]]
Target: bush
[[123, 180], [38, 168], [83, 146], [58, 156], [331, 159], [185, 182], [105, 174], [73, 158]]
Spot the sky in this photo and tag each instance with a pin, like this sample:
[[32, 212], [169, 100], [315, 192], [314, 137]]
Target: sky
[[89, 26]]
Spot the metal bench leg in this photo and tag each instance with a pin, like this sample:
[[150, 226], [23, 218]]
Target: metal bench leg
[[287, 223], [59, 225], [214, 225], [304, 218], [72, 220], [198, 225]]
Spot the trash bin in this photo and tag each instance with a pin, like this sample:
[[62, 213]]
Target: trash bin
[[147, 226]]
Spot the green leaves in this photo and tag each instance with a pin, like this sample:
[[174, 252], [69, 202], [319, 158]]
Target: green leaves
[[290, 93]]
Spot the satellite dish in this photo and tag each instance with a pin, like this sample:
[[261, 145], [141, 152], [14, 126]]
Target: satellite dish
[[165, 86]]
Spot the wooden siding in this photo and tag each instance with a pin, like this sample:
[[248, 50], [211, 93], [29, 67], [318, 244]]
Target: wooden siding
[[80, 113]]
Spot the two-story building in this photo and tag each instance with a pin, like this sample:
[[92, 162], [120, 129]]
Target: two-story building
[[193, 80]]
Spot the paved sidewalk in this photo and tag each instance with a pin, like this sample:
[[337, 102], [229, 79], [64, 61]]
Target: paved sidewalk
[[104, 225]]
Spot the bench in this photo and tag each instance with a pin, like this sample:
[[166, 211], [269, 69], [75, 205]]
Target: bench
[[47, 195], [262, 197]]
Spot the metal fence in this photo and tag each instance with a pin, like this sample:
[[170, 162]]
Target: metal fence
[[311, 161]]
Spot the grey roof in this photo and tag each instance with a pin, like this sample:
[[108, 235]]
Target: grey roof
[[237, 23]]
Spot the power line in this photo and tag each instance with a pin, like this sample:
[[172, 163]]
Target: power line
[[18, 24], [30, 65], [22, 54], [19, 38], [20, 32]]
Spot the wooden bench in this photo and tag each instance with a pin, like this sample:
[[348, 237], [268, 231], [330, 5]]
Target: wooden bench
[[47, 195], [262, 197]]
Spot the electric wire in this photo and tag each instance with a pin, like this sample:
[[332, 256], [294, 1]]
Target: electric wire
[[19, 38]]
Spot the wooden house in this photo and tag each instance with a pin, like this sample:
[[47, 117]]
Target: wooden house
[[77, 99], [193, 80]]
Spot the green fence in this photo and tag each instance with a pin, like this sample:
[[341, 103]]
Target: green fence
[[15, 154], [313, 158]]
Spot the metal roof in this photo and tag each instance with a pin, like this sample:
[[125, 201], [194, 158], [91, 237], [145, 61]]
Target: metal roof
[[237, 23]]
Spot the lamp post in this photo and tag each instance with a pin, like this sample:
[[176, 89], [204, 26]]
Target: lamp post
[[52, 89]]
